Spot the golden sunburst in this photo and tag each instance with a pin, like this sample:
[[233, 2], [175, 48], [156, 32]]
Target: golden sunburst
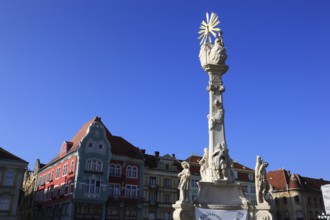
[[209, 27]]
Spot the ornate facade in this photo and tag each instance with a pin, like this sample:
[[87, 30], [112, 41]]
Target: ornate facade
[[96, 176], [160, 185], [295, 197], [12, 169]]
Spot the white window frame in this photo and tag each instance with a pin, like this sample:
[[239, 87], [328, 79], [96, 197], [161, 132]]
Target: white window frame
[[115, 169], [65, 169], [92, 186], [94, 165], [114, 189], [72, 166], [131, 191], [132, 172], [58, 171]]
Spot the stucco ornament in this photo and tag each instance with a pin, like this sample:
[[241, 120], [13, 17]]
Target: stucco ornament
[[211, 53], [262, 185]]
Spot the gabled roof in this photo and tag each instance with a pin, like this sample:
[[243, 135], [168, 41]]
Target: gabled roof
[[5, 155], [119, 145]]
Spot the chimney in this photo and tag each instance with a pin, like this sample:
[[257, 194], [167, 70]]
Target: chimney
[[143, 151], [157, 153], [173, 155]]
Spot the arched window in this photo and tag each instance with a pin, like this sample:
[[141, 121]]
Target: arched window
[[132, 171], [94, 165], [117, 170], [112, 169]]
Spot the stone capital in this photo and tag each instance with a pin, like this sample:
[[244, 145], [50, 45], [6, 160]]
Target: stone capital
[[218, 69]]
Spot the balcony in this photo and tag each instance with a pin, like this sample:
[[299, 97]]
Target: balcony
[[94, 171], [153, 186]]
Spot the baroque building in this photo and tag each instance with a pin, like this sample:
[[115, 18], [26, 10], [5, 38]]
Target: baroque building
[[12, 169], [295, 196], [29, 182], [95, 175], [160, 185]]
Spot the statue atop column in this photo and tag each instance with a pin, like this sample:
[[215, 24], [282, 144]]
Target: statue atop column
[[213, 57], [262, 185], [211, 53]]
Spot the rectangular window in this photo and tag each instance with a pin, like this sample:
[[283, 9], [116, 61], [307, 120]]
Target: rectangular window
[[51, 175], [131, 191], [92, 186], [167, 183], [58, 170], [9, 178], [167, 198], [152, 197], [152, 181], [62, 190], [69, 186], [86, 186], [65, 168], [193, 183], [72, 166], [114, 190]]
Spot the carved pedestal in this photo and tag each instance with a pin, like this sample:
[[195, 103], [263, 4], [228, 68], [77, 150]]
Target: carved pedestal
[[262, 212], [221, 196], [183, 211]]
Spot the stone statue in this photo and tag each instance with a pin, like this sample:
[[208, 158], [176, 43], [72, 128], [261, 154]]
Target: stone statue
[[262, 186], [204, 164], [213, 54], [221, 162], [184, 183]]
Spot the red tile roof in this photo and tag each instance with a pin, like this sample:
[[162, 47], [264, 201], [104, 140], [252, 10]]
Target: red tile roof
[[278, 179], [119, 145], [193, 159], [283, 180]]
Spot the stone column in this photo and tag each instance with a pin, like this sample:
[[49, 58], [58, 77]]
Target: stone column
[[216, 114]]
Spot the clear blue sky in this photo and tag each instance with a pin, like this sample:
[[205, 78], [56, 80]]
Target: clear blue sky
[[135, 64]]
